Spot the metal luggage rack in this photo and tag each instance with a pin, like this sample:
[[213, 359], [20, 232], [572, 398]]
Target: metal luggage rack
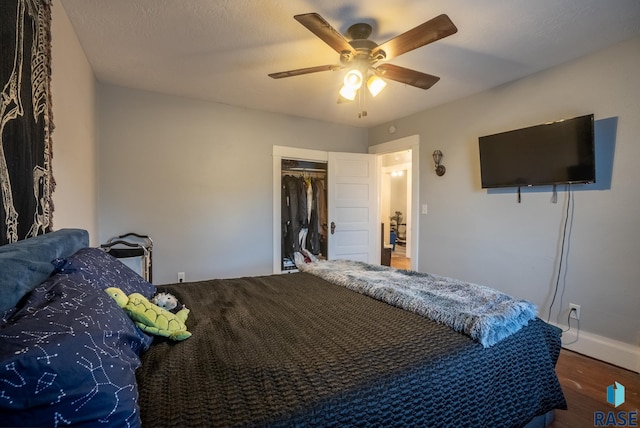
[[132, 245]]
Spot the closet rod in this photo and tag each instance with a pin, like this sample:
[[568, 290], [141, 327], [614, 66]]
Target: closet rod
[[318, 175], [300, 169]]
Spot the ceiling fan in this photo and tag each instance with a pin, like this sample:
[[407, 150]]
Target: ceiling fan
[[362, 55]]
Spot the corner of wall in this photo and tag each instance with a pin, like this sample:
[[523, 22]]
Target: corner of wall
[[74, 139]]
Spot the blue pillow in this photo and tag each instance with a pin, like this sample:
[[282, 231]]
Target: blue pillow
[[26, 263], [100, 270], [69, 353]]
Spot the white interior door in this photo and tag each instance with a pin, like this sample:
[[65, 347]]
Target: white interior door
[[353, 207]]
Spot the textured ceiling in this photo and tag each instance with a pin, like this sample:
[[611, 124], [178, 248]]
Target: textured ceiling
[[222, 50]]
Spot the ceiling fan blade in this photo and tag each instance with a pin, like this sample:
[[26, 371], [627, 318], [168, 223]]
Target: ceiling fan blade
[[425, 33], [321, 28], [307, 70], [405, 75]]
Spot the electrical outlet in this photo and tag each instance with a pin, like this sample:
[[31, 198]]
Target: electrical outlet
[[574, 311], [181, 277]]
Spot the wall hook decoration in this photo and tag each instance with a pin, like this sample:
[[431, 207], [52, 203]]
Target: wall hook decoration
[[437, 158]]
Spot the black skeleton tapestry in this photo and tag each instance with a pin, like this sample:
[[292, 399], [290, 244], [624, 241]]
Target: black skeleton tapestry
[[26, 182]]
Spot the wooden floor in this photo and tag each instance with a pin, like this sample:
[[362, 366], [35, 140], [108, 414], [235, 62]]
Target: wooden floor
[[584, 383], [399, 259]]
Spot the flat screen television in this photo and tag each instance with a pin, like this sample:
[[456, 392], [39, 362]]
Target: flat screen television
[[553, 153]]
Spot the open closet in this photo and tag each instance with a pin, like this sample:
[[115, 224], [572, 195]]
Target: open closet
[[339, 221], [303, 211]]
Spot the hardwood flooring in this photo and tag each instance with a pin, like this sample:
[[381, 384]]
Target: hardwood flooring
[[584, 382], [399, 259]]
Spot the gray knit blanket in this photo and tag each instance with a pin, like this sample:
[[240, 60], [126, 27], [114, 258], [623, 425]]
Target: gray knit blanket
[[483, 313]]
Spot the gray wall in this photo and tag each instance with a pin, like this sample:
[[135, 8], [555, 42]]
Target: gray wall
[[489, 238], [74, 139], [197, 178]]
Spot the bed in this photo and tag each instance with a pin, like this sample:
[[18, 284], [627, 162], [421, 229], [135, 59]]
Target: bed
[[278, 350]]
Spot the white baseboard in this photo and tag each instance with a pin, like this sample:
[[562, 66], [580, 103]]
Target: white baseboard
[[602, 348]]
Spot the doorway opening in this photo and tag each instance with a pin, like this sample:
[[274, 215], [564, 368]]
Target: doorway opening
[[395, 203], [398, 172]]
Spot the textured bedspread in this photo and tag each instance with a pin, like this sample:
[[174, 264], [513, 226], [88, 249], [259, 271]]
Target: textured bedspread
[[295, 350], [485, 314]]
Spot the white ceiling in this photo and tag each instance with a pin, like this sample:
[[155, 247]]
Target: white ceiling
[[222, 50]]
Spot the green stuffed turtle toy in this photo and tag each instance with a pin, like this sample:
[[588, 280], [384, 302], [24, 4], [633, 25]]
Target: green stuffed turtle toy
[[151, 318]]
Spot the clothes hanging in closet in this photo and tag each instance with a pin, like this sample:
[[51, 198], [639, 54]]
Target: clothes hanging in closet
[[302, 216]]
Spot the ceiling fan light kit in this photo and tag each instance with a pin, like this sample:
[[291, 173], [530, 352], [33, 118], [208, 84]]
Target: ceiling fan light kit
[[362, 55], [353, 79], [348, 93], [375, 85]]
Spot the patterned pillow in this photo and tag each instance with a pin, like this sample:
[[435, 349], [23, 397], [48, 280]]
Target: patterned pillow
[[69, 353], [100, 270]]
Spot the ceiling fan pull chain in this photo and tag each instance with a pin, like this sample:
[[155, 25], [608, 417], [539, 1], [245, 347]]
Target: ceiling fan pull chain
[[361, 104]]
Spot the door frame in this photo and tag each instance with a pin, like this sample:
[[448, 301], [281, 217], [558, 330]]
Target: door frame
[[284, 152], [279, 153], [412, 143]]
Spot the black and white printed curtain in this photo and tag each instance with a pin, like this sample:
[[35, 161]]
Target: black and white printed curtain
[[26, 182]]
